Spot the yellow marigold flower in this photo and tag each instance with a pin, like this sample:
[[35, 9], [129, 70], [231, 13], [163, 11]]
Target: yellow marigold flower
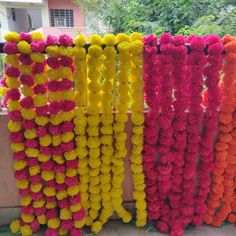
[[22, 184], [17, 147], [24, 47], [121, 37], [34, 170], [12, 60], [73, 190], [40, 100], [136, 36], [109, 39], [50, 192], [79, 224], [95, 39], [27, 218], [32, 152], [13, 105], [41, 120], [61, 195], [96, 227], [42, 219], [28, 114], [15, 226], [60, 178], [26, 230], [40, 78], [12, 82], [45, 140], [75, 208], [37, 57], [58, 159], [53, 223], [51, 205], [39, 204], [25, 201], [19, 164], [12, 37], [36, 35], [47, 175], [30, 133], [52, 50], [80, 40], [43, 158], [65, 214], [27, 91]]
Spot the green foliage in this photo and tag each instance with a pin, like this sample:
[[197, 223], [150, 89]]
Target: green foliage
[[177, 16]]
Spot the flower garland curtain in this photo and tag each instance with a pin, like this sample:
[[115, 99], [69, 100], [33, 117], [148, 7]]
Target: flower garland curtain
[[68, 105]]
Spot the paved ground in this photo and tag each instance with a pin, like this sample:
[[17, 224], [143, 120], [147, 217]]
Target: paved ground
[[117, 228]]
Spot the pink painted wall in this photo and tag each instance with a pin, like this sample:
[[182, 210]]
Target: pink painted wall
[[79, 20], [9, 193]]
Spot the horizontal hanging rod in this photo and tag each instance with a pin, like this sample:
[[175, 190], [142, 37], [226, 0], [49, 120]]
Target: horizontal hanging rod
[[87, 45]]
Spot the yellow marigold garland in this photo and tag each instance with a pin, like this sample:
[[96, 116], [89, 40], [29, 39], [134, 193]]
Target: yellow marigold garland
[[108, 74], [80, 120], [137, 117], [93, 143], [121, 118]]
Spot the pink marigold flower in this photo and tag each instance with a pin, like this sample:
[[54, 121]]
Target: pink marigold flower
[[27, 102], [65, 40], [10, 48], [12, 71]]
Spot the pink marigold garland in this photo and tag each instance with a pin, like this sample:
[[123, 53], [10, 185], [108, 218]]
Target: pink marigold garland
[[164, 166], [180, 105], [150, 129], [210, 122], [196, 62]]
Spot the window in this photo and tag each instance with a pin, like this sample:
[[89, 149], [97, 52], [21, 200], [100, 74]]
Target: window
[[62, 18]]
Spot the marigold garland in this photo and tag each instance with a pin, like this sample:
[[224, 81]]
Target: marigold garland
[[210, 122], [180, 105], [94, 108], [108, 74], [151, 130], [137, 117], [196, 62], [121, 118], [224, 169]]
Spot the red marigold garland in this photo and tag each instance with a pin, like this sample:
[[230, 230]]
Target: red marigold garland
[[180, 105], [196, 62], [164, 166], [210, 122], [150, 129]]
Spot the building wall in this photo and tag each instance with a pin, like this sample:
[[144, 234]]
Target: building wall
[[79, 20], [36, 17], [21, 23]]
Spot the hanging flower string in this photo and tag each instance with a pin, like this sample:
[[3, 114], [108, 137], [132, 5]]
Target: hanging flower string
[[93, 144], [20, 164], [180, 105], [196, 62], [107, 119], [151, 130], [164, 166], [137, 117], [210, 122], [224, 172]]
